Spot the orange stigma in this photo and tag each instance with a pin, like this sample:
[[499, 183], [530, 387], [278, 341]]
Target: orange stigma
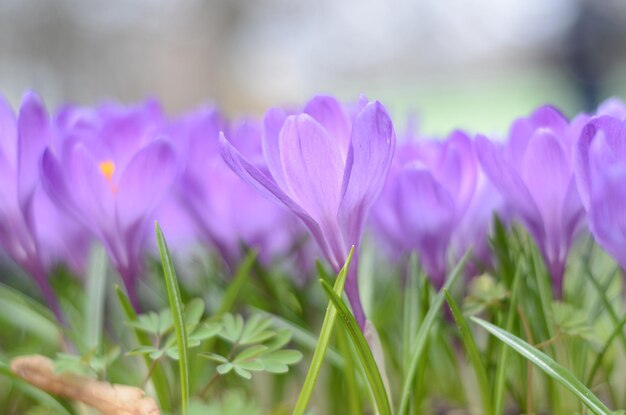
[[107, 168]]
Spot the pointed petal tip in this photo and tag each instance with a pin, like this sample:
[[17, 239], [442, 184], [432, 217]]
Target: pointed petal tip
[[32, 109]]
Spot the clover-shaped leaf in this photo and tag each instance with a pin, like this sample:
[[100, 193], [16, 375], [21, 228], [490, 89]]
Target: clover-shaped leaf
[[157, 324], [571, 321], [232, 327]]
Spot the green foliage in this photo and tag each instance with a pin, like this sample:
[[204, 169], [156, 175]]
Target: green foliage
[[548, 365], [160, 326], [485, 293], [363, 350], [90, 364], [254, 347], [323, 343], [571, 321], [241, 326], [176, 306], [234, 402]]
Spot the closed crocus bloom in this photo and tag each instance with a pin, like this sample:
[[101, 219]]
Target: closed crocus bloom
[[601, 178], [427, 193], [32, 232], [110, 168], [534, 173], [613, 107], [327, 167]]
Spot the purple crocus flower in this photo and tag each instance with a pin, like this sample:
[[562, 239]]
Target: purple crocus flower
[[429, 188], [110, 167], [32, 232], [534, 173], [223, 207], [327, 167], [475, 225], [601, 178], [614, 107]]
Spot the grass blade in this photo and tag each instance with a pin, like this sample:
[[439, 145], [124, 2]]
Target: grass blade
[[411, 311], [366, 357], [547, 365], [349, 373], [21, 311], [96, 291], [423, 332], [158, 377], [472, 352], [176, 306], [322, 344], [499, 389]]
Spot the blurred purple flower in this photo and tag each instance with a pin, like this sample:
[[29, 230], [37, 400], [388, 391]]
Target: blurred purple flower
[[474, 227], [110, 168], [32, 232], [328, 167], [534, 173], [429, 189], [613, 107], [601, 178], [224, 208]]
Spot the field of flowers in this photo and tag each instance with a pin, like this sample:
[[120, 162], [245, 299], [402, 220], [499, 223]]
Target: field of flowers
[[196, 264]]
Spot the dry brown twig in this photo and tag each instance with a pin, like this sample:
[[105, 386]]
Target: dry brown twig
[[110, 399]]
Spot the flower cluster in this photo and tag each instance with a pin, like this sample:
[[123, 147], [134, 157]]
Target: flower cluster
[[327, 169]]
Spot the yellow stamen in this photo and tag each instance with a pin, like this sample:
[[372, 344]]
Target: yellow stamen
[[107, 168]]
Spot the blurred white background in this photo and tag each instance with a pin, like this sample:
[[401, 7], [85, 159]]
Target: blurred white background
[[458, 63]]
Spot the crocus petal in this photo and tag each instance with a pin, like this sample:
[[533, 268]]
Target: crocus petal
[[53, 182], [127, 128], [8, 189], [312, 165], [33, 134], [607, 219], [458, 169], [614, 132], [548, 116], [427, 213], [91, 190], [573, 215], [424, 205], [508, 182], [371, 150], [253, 176], [545, 158], [147, 178], [613, 107], [8, 133], [327, 111], [272, 124]]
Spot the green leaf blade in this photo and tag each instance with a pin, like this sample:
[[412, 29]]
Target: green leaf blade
[[472, 352], [363, 351], [548, 366], [422, 335], [176, 305], [322, 343]]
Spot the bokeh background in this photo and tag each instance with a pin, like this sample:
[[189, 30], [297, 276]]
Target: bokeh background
[[454, 63]]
